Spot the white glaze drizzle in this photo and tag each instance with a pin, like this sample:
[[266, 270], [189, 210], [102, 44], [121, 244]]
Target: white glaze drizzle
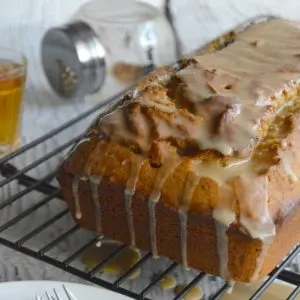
[[75, 191], [223, 213], [231, 284], [162, 174], [252, 195], [223, 218], [136, 164], [265, 245], [247, 74], [94, 182], [188, 192], [231, 92], [84, 140]]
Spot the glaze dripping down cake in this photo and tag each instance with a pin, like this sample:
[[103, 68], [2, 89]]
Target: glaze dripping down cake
[[201, 161]]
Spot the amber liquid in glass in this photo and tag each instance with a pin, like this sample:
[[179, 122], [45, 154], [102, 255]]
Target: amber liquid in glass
[[12, 80]]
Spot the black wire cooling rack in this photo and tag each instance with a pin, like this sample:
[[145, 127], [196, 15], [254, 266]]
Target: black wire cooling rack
[[31, 205]]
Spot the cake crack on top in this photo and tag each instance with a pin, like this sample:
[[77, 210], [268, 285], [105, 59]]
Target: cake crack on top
[[222, 101]]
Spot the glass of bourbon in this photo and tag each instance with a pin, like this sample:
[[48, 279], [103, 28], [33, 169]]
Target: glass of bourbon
[[12, 81]]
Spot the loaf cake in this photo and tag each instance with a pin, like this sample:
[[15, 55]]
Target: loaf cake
[[201, 161]]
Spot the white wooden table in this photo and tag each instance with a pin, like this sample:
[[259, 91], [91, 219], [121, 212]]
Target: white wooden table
[[22, 24]]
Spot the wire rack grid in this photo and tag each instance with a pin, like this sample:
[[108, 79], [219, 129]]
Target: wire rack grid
[[35, 221]]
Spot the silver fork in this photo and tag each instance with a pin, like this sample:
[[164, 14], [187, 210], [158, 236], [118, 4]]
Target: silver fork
[[55, 295]]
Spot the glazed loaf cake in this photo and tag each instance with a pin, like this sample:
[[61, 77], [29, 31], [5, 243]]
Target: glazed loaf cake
[[201, 161]]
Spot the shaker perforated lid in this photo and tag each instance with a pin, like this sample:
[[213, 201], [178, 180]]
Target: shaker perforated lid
[[73, 59]]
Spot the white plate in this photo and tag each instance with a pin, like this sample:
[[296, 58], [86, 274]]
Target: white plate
[[26, 290]]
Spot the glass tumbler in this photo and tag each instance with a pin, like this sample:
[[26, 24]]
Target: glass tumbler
[[12, 80]]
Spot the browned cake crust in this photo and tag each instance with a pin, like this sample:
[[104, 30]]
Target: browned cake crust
[[224, 201]]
